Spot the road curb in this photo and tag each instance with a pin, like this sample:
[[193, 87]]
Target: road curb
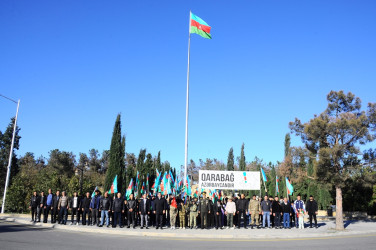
[[167, 233]]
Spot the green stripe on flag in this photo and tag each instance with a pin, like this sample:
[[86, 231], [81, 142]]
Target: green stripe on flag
[[200, 32]]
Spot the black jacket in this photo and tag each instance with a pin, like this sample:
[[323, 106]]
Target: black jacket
[[71, 201], [34, 201], [131, 204], [159, 205], [276, 207], [311, 207], [286, 208], [43, 200], [144, 208], [118, 204], [242, 205], [217, 208], [85, 203], [105, 203], [55, 201]]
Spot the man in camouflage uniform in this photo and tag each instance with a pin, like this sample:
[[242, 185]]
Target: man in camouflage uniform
[[203, 210], [193, 213], [254, 210], [183, 209]]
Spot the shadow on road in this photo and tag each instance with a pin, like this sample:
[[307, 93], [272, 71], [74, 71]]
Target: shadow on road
[[9, 227]]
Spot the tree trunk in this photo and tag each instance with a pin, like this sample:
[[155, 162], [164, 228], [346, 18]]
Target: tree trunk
[[339, 209]]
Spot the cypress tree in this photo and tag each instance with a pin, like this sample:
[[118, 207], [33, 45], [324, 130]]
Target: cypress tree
[[287, 144], [230, 160], [242, 159], [116, 163]]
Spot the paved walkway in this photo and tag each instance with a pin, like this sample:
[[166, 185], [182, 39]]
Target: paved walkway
[[326, 229]]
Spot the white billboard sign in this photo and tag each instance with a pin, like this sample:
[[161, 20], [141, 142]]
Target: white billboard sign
[[234, 180]]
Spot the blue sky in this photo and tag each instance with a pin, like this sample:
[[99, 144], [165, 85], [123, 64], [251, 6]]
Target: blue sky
[[76, 64]]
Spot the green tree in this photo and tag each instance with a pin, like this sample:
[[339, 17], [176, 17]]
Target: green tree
[[5, 145], [242, 163], [116, 162], [335, 136], [230, 160]]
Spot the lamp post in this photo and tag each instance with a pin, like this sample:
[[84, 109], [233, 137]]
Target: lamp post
[[81, 175], [10, 153]]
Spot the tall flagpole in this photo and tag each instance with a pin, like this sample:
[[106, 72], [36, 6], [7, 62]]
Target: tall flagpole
[[187, 105]]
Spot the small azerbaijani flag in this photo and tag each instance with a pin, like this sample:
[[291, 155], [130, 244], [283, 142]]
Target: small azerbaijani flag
[[263, 175], [93, 194], [199, 26], [290, 188], [113, 189], [276, 185]]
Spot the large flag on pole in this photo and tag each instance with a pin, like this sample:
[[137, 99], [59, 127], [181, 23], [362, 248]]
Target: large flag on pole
[[113, 189], [199, 26]]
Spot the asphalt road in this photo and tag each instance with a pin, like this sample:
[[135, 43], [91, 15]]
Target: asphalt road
[[17, 236]]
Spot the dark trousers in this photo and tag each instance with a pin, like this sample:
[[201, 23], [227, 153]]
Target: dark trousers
[[40, 212], [33, 213], [159, 220], [277, 220], [218, 219], [75, 211], [84, 213], [131, 218], [48, 209], [242, 212], [94, 216], [312, 215], [117, 219], [63, 215], [54, 214], [204, 218]]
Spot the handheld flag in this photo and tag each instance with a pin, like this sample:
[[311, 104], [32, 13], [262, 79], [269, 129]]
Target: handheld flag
[[290, 188], [276, 185], [129, 189], [93, 194], [199, 26], [263, 175], [113, 189]]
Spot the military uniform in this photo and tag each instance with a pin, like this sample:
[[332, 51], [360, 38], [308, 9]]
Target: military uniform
[[183, 209], [192, 215], [255, 209], [204, 208]]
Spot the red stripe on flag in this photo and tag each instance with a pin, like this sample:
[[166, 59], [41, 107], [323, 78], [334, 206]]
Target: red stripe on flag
[[200, 26]]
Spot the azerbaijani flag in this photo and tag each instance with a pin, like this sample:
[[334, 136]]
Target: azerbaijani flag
[[199, 26], [263, 175], [93, 194], [290, 188], [113, 189], [129, 189], [276, 184], [147, 182], [143, 188]]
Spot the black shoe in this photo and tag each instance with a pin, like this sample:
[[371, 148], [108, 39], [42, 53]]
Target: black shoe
[[147, 227], [108, 225], [156, 227], [141, 227], [310, 227], [128, 227], [238, 227], [134, 227], [245, 227], [100, 225], [121, 226]]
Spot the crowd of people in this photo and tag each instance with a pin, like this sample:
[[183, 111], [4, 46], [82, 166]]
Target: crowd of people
[[172, 212]]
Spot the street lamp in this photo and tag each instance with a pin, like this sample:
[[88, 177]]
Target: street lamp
[[82, 175], [10, 153]]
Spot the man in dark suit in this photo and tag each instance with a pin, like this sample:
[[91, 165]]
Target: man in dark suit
[[54, 207], [144, 210], [159, 210]]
